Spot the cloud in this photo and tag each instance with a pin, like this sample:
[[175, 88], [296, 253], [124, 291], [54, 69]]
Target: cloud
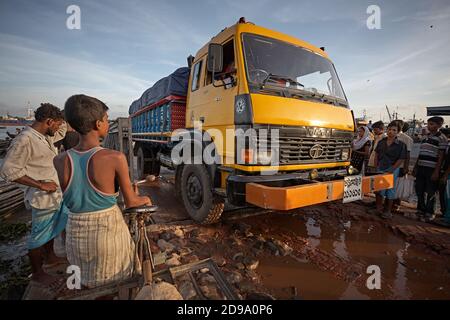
[[30, 73]]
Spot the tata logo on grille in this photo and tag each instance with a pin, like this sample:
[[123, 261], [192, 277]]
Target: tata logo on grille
[[316, 151]]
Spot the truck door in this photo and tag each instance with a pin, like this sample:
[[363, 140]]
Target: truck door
[[218, 112]]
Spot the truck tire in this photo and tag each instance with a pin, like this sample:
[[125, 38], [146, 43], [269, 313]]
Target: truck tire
[[147, 163], [197, 195], [155, 165]]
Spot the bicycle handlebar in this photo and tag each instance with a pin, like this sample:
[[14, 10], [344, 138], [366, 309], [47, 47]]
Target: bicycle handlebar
[[141, 209]]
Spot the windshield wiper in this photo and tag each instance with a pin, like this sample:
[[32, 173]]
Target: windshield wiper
[[278, 77]]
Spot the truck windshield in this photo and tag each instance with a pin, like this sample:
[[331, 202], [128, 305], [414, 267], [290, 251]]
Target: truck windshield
[[270, 62]]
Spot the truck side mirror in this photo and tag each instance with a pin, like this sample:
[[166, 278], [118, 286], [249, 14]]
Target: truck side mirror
[[215, 58]]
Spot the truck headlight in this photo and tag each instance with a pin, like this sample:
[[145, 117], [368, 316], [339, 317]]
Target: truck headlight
[[314, 174], [345, 154], [352, 170]]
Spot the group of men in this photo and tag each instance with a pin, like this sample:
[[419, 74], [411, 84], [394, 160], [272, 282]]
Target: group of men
[[73, 195], [390, 151]]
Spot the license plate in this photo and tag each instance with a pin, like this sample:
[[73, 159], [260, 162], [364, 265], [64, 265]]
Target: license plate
[[352, 188]]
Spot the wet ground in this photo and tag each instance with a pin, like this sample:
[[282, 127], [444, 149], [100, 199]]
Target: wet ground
[[320, 252], [14, 264], [332, 247], [333, 262]]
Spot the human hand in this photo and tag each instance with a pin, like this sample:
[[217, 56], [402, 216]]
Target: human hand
[[140, 201], [48, 186]]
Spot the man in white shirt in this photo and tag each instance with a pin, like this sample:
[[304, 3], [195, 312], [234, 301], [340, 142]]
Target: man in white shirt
[[29, 162]]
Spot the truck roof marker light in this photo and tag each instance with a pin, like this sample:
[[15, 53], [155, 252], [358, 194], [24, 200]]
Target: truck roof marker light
[[242, 20], [322, 48]]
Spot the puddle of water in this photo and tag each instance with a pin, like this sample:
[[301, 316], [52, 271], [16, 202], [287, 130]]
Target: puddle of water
[[406, 273], [310, 282], [12, 253]]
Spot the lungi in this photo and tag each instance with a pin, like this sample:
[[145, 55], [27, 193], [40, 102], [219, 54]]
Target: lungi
[[100, 244], [46, 224]]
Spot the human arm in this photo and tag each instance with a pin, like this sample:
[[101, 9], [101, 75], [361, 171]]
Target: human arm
[[375, 160], [129, 195], [365, 150], [61, 133], [406, 164], [396, 165], [435, 175], [48, 186]]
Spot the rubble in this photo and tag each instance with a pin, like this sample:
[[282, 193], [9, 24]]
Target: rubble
[[187, 290], [282, 247], [234, 277], [165, 246], [165, 236], [250, 264], [238, 256], [179, 233], [219, 260], [173, 261]]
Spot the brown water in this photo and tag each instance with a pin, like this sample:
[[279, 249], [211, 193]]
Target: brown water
[[406, 273]]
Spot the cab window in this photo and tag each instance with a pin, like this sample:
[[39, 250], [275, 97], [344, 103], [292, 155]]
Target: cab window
[[196, 75]]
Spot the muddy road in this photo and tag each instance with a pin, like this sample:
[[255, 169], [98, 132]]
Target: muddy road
[[320, 252]]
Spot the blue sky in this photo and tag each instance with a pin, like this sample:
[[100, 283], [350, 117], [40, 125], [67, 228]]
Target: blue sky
[[125, 46]]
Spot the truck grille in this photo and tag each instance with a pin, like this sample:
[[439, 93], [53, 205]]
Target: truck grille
[[295, 147]]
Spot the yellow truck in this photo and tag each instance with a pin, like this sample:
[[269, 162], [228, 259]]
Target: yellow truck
[[249, 88]]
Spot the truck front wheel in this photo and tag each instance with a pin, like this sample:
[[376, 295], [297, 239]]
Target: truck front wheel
[[198, 198]]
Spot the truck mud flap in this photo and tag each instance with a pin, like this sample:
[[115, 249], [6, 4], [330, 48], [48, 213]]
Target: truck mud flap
[[288, 198]]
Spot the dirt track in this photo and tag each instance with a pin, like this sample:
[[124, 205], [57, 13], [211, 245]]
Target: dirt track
[[320, 252]]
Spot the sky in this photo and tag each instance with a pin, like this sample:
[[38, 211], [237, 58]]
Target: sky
[[123, 47]]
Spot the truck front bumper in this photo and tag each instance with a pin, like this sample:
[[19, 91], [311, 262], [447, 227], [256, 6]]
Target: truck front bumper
[[291, 191]]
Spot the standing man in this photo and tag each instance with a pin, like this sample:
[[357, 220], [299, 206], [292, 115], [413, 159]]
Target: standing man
[[427, 168], [408, 141], [378, 132], [390, 154], [29, 162]]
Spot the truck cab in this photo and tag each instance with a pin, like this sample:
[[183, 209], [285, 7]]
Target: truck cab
[[268, 80]]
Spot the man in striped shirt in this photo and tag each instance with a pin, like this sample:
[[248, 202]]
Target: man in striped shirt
[[427, 167]]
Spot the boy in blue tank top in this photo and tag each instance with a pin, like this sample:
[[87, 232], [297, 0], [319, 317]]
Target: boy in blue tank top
[[97, 239]]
